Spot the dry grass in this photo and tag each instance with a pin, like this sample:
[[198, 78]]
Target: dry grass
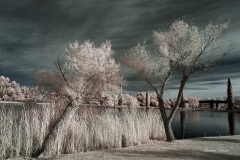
[[22, 132]]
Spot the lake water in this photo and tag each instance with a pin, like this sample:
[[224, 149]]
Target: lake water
[[190, 124]]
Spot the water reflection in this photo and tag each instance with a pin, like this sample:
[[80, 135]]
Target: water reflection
[[182, 121], [232, 123], [190, 124], [194, 116]]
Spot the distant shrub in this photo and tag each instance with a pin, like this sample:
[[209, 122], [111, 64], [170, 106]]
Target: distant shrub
[[12, 91], [129, 100], [154, 102], [193, 102]]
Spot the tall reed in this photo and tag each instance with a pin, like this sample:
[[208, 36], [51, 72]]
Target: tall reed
[[22, 132]]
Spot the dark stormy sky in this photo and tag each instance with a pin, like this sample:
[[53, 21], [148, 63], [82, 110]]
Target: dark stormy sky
[[34, 32]]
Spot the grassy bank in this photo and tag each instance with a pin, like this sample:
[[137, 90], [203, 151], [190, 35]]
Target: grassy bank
[[213, 148], [22, 132]]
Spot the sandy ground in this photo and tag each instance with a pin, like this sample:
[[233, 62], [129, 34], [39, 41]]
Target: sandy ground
[[219, 148]]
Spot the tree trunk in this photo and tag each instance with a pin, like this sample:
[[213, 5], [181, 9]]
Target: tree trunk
[[180, 93], [182, 103], [46, 151], [120, 101], [166, 121], [147, 101], [168, 130]]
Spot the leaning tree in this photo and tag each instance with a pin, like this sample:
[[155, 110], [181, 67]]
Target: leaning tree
[[184, 49], [82, 71]]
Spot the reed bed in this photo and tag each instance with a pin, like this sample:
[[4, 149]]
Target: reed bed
[[22, 132]]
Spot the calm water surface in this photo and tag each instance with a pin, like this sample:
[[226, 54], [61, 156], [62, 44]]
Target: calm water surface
[[190, 124]]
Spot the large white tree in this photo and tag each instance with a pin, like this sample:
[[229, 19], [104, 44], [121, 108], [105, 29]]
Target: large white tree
[[184, 48], [83, 71]]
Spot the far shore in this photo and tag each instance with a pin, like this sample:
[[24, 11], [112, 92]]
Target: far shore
[[181, 109], [205, 109]]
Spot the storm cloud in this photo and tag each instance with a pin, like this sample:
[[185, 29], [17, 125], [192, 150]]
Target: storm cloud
[[34, 32]]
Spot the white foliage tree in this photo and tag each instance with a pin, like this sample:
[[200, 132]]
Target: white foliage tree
[[184, 48], [83, 71]]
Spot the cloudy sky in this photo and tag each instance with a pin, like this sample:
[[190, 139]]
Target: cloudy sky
[[34, 32]]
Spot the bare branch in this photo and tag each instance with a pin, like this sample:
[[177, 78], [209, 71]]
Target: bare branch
[[59, 67]]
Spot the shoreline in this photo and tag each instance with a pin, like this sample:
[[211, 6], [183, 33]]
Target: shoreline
[[214, 148], [223, 147]]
